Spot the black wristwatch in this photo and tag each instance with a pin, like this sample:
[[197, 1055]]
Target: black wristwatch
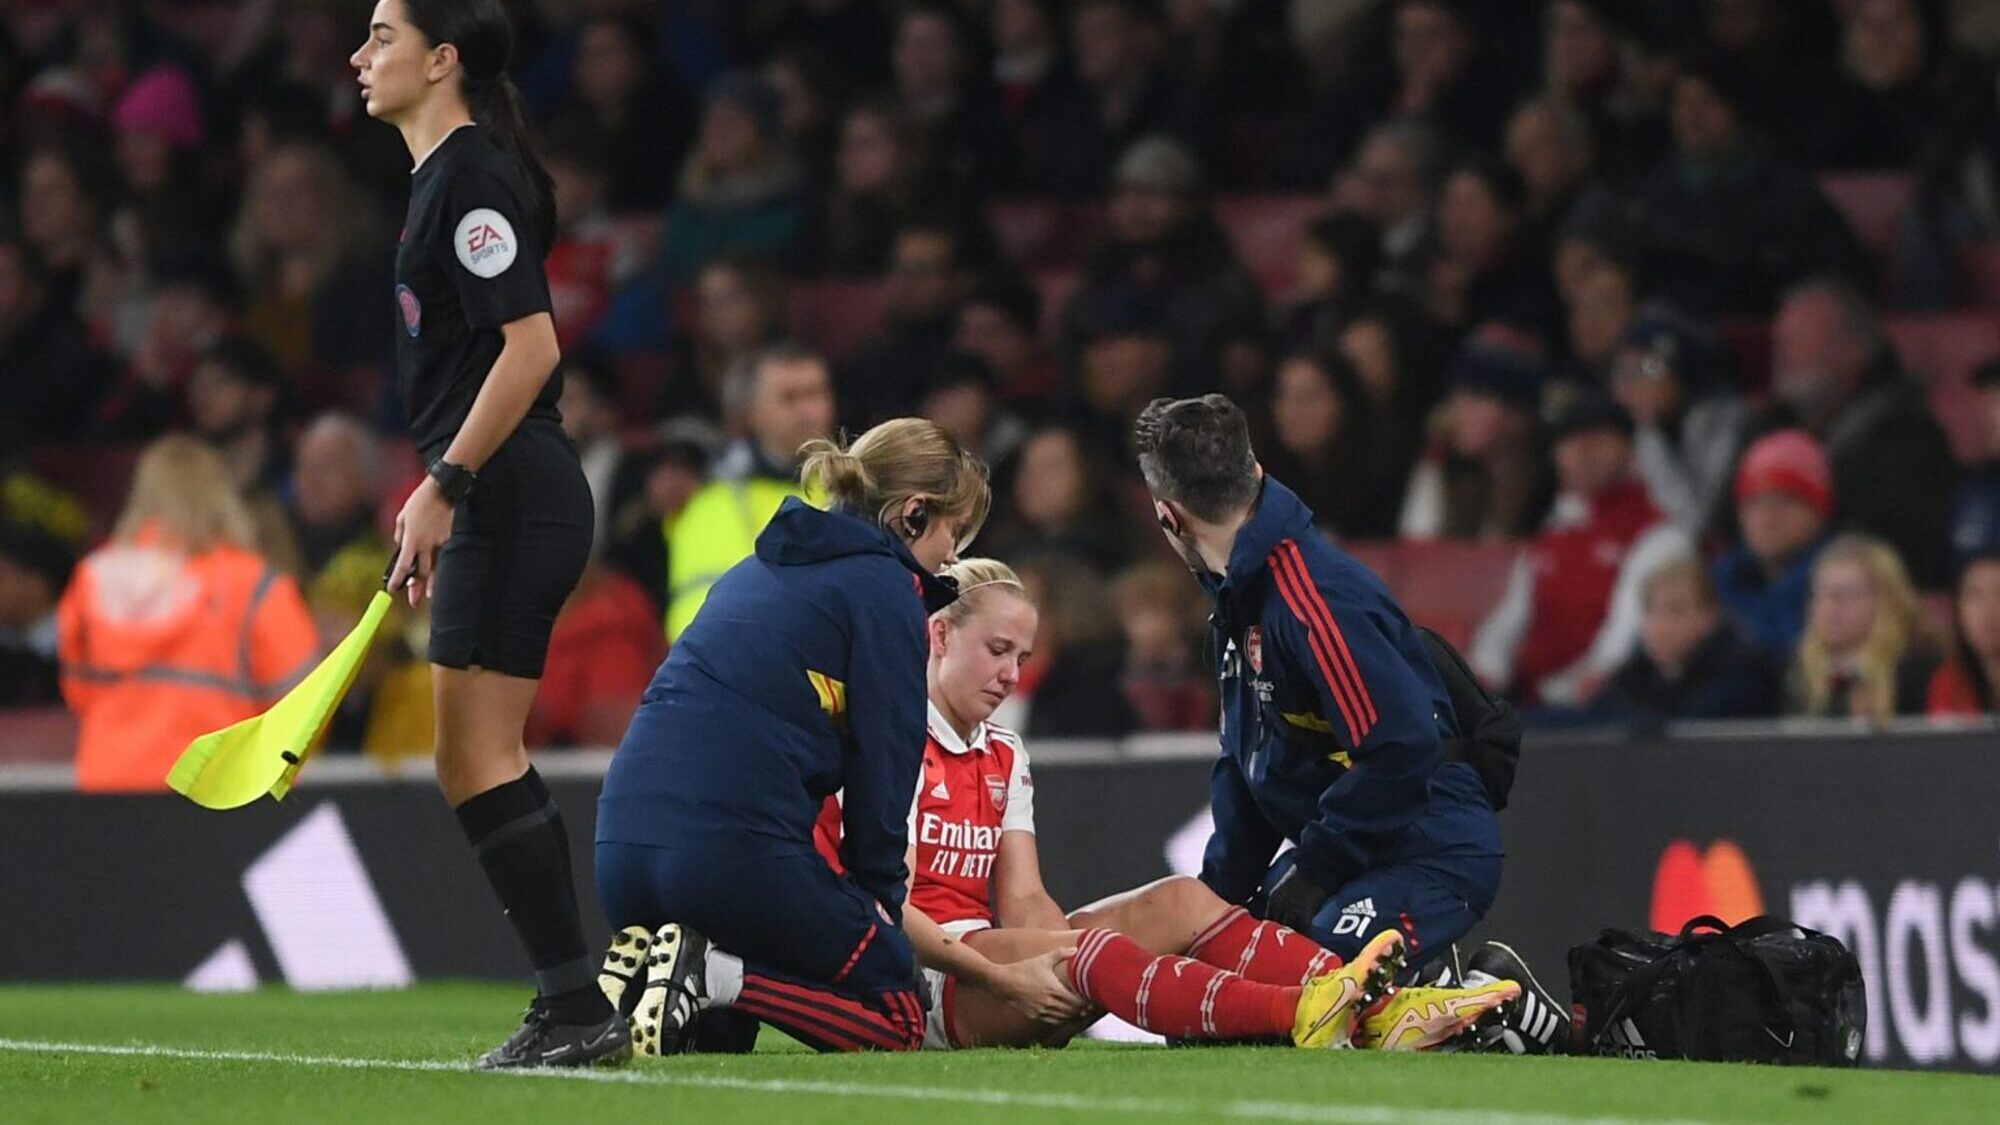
[[454, 481]]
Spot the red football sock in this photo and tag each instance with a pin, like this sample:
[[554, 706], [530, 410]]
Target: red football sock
[[1262, 951], [1175, 996]]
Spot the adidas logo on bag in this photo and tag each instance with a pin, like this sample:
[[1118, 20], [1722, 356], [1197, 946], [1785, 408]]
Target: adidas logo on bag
[[1623, 1039]]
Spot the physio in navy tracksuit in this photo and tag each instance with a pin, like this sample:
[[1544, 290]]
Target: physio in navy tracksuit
[[802, 674], [1333, 717]]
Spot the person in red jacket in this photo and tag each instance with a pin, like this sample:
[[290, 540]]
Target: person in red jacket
[[176, 627], [602, 654], [1572, 609]]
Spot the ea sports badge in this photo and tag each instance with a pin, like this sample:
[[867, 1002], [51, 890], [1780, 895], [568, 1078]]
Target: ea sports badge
[[996, 789], [485, 242], [1253, 648]]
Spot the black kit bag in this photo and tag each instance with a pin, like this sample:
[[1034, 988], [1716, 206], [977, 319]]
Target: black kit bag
[[1765, 991], [1489, 731]]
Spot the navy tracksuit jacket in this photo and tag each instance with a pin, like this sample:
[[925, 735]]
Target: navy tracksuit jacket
[[1332, 727], [803, 673]]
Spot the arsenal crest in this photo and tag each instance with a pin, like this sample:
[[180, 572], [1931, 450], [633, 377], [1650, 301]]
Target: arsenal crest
[[996, 788], [1253, 648]]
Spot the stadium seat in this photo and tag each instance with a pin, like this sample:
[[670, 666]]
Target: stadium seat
[[1447, 585], [837, 316], [97, 475], [1452, 586], [1378, 555], [1942, 349], [37, 734], [1266, 231], [1872, 203]]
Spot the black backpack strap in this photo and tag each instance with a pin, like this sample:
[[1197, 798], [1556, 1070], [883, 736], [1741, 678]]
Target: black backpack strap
[[1489, 730]]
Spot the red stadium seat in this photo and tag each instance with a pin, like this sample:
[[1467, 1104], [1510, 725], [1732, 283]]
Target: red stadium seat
[[37, 734], [838, 316], [1872, 202], [1266, 231], [1446, 583], [1038, 233], [1383, 556], [1942, 349]]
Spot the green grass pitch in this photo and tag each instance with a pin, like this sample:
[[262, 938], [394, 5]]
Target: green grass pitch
[[135, 1054]]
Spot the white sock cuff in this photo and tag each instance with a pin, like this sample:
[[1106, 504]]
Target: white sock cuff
[[724, 973]]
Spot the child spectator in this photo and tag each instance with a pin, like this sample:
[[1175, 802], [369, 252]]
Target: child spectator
[[1571, 613], [1690, 664], [1863, 654], [1164, 681], [1784, 498], [1070, 686]]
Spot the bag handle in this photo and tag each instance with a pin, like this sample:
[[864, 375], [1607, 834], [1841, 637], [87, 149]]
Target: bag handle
[[1735, 936], [1749, 929]]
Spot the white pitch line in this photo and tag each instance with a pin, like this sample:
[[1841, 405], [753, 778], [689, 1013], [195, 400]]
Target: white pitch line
[[1331, 1113]]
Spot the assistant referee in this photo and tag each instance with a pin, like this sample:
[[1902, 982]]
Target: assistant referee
[[498, 532]]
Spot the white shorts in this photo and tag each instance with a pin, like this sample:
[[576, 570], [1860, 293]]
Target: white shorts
[[937, 1036]]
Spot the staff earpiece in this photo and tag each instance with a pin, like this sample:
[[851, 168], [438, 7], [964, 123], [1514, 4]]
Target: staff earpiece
[[917, 522], [1168, 522]]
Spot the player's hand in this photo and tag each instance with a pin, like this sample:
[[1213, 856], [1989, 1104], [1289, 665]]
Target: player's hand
[[421, 528], [1038, 988], [1294, 901]]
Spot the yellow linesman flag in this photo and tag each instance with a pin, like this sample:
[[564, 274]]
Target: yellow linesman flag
[[263, 754]]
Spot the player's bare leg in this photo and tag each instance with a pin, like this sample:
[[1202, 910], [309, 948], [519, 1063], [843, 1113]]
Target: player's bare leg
[[1164, 916], [983, 1019]]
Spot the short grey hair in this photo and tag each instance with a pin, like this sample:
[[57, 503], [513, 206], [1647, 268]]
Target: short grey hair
[[740, 380], [361, 437]]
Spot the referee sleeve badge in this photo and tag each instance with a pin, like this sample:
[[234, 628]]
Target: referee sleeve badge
[[485, 242]]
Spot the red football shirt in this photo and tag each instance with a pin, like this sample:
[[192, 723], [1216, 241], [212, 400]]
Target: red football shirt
[[971, 791]]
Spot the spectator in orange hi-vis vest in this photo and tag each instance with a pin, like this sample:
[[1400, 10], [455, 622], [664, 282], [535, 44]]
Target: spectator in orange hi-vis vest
[[176, 627]]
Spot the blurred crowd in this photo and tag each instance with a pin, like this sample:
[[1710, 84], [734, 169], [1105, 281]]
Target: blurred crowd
[[1519, 249]]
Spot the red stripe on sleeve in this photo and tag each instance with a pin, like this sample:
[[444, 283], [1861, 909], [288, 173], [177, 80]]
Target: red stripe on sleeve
[[1317, 603], [1321, 653]]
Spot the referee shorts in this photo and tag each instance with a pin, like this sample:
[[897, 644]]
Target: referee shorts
[[518, 545]]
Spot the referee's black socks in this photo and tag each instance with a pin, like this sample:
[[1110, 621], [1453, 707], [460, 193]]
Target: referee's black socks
[[517, 833]]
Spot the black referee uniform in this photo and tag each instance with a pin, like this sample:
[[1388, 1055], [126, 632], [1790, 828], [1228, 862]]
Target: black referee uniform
[[469, 262]]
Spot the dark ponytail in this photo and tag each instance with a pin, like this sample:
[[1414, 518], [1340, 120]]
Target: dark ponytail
[[484, 37]]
